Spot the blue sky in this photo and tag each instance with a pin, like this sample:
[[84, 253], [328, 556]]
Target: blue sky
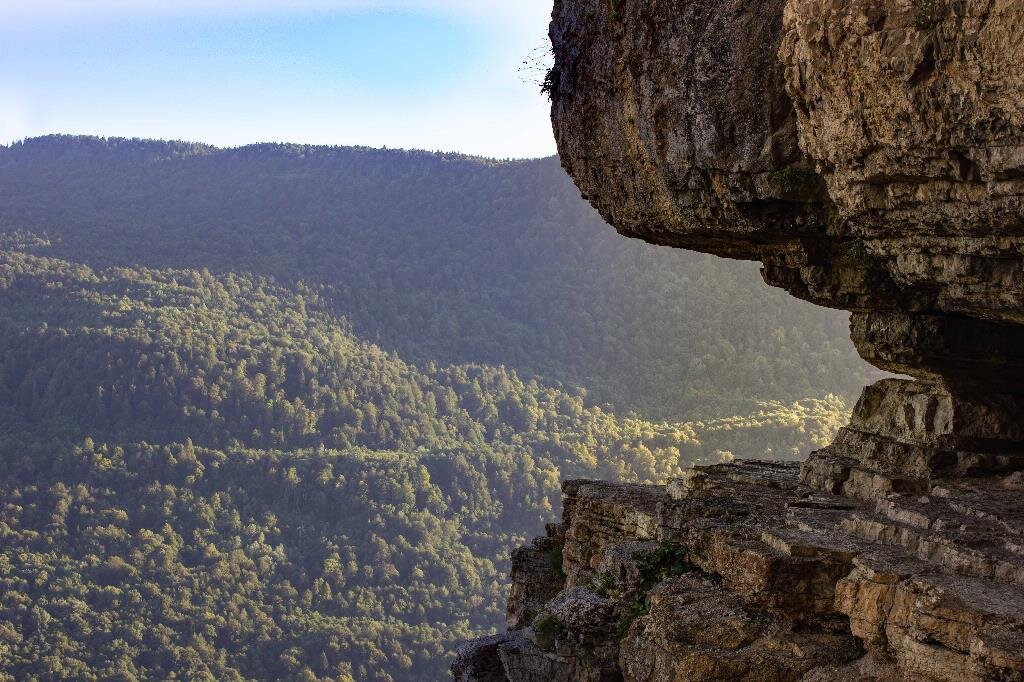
[[427, 74]]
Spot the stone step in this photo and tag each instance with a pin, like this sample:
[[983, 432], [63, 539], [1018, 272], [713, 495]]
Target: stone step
[[703, 480], [931, 532], [839, 475], [833, 527], [953, 548], [997, 499], [697, 631], [779, 571], [926, 583], [936, 621]]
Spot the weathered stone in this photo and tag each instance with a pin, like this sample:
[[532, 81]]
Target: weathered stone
[[782, 582], [912, 111], [580, 610], [903, 433], [479, 661], [536, 578], [599, 516], [690, 98], [697, 631], [681, 124], [524, 661], [935, 626], [871, 155]]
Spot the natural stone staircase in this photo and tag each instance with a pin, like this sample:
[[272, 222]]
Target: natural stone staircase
[[781, 582]]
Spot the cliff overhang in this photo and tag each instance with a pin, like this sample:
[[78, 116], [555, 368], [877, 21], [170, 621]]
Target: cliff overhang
[[870, 155]]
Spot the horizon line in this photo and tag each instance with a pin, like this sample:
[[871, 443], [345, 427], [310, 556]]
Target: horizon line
[[220, 148]]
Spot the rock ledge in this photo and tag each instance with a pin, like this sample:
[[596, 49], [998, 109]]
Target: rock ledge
[[870, 155], [741, 572]]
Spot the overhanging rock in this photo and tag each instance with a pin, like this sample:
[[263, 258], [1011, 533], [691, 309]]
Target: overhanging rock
[[870, 155]]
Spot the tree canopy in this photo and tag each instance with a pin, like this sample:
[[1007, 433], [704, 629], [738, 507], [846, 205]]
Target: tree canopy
[[280, 412]]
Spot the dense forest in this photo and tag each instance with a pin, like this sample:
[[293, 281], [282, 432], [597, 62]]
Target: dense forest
[[256, 424], [445, 258], [219, 456]]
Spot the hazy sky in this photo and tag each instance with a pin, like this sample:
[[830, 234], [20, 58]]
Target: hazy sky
[[428, 74]]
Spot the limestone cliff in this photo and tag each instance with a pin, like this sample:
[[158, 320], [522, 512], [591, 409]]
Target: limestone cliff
[[871, 155]]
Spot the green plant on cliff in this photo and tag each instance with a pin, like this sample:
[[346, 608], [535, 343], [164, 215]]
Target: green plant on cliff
[[655, 566], [660, 564], [549, 86], [602, 584], [857, 251], [546, 630], [616, 9]]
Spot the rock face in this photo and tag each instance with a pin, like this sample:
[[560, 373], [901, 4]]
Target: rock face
[[871, 155], [742, 572]]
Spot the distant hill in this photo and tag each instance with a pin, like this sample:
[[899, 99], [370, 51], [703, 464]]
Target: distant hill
[[442, 258]]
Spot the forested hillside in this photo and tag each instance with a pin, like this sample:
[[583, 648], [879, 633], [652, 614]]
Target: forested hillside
[[272, 412], [209, 476], [442, 258]]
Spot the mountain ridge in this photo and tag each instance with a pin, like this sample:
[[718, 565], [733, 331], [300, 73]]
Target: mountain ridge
[[504, 259]]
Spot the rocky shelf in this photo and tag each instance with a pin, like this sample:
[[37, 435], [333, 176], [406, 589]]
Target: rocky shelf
[[871, 156], [739, 571]]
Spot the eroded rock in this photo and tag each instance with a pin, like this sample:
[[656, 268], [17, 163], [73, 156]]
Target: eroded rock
[[871, 155], [536, 578], [674, 121], [781, 582]]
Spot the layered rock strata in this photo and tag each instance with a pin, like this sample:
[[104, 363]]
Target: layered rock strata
[[870, 155], [741, 572]]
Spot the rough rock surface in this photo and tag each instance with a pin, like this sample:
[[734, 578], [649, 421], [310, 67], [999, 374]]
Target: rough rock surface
[[740, 571], [871, 155], [536, 579]]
